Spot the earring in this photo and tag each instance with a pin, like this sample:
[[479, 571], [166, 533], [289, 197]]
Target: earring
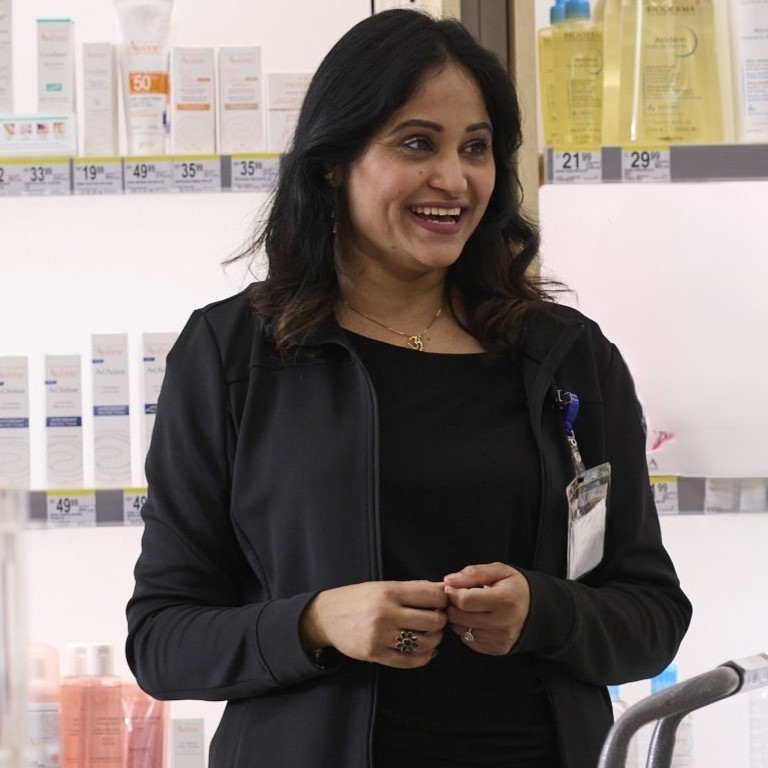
[[330, 177]]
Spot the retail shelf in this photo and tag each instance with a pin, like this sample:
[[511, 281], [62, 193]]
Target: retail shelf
[[86, 507], [47, 176], [657, 164]]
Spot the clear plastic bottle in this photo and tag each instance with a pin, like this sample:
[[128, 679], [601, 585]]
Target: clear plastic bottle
[[670, 79], [91, 709], [548, 84], [43, 708], [578, 60]]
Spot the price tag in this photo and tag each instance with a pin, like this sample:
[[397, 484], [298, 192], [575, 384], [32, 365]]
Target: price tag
[[142, 175], [254, 173], [577, 166], [98, 176], [11, 179], [646, 165], [197, 174], [36, 176], [71, 509], [665, 494], [133, 501], [722, 494]]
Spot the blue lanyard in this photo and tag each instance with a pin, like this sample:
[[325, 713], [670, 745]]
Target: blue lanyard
[[568, 402]]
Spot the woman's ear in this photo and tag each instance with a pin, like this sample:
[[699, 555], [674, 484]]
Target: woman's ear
[[334, 174]]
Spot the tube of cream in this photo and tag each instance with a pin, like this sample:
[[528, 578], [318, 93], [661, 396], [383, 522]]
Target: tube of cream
[[144, 61]]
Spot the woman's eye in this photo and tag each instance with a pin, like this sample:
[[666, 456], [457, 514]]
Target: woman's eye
[[478, 147], [419, 143]]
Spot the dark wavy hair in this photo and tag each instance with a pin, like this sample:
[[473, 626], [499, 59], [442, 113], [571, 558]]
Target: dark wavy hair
[[370, 73]]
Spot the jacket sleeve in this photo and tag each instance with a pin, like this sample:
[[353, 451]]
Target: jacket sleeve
[[625, 619], [192, 633]]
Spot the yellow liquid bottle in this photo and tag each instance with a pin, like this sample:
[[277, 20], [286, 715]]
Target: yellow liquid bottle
[[548, 84], [611, 18], [670, 87], [578, 61]]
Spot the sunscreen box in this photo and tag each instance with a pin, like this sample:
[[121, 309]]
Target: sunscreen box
[[6, 58], [286, 94], [100, 137], [14, 423], [55, 65], [188, 743], [193, 99], [156, 349], [64, 421], [111, 411], [241, 114]]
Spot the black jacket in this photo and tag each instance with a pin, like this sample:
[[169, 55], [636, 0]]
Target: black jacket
[[263, 490]]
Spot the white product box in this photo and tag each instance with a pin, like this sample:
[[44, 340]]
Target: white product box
[[100, 136], [286, 95], [241, 114], [156, 349], [64, 421], [38, 135], [188, 743], [111, 412], [193, 100], [6, 58], [14, 423], [55, 66]]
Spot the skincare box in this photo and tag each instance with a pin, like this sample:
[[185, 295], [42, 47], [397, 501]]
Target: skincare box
[[6, 58], [55, 66], [241, 112], [100, 138], [286, 94], [14, 423], [193, 94], [63, 421]]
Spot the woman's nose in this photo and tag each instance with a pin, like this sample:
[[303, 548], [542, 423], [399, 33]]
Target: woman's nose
[[448, 175]]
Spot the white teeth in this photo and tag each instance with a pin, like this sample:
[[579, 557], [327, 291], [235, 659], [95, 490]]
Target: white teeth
[[437, 211]]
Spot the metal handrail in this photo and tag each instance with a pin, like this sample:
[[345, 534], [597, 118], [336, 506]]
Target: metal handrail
[[671, 705]]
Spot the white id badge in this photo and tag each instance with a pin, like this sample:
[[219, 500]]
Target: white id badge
[[587, 508]]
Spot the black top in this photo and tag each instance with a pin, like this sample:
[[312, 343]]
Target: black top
[[459, 486]]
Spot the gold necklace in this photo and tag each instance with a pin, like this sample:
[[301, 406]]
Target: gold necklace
[[413, 340]]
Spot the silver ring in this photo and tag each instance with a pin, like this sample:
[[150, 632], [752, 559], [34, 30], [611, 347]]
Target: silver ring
[[468, 637], [407, 641]]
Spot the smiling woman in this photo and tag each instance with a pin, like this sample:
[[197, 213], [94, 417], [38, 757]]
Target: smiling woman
[[357, 525]]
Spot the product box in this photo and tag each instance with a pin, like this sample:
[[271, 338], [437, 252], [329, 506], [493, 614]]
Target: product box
[[63, 421], [38, 135], [241, 114], [55, 66], [100, 136], [6, 58], [286, 95], [14, 423], [156, 349], [193, 99], [111, 411], [188, 743]]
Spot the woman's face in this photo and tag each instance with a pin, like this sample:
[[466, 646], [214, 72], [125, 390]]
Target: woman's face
[[420, 188]]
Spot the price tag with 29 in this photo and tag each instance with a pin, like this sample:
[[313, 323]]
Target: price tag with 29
[[650, 164]]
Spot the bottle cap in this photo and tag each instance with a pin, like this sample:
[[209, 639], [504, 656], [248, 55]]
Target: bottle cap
[[89, 659], [557, 12], [577, 9], [664, 679]]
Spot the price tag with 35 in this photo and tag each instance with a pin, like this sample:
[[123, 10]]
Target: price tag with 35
[[254, 173], [650, 164], [71, 509], [133, 500], [577, 166], [197, 174]]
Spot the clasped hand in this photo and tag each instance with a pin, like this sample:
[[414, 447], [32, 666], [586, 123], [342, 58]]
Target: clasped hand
[[363, 621]]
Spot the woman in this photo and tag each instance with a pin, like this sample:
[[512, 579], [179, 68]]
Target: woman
[[357, 524]]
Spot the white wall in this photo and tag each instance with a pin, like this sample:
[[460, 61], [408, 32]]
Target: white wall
[[75, 266]]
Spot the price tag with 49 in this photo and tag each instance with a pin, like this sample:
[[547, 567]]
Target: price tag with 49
[[71, 509]]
